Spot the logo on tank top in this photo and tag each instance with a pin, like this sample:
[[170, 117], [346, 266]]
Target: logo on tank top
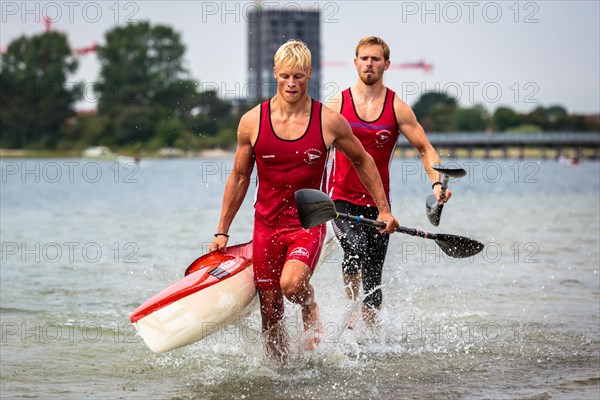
[[312, 156], [383, 136]]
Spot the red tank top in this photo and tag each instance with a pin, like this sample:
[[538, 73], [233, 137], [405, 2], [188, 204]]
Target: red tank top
[[285, 166], [379, 139]]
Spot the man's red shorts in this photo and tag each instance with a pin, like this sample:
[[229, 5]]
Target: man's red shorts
[[272, 247]]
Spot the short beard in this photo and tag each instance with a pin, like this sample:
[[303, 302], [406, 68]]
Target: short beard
[[368, 81]]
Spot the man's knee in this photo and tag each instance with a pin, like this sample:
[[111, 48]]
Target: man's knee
[[291, 287], [294, 285]]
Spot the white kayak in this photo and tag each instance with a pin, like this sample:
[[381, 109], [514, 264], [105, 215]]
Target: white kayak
[[218, 289]]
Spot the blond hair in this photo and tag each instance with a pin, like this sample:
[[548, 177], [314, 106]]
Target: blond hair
[[374, 40], [293, 54]]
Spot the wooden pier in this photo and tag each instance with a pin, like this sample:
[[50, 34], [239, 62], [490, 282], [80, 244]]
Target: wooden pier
[[544, 145]]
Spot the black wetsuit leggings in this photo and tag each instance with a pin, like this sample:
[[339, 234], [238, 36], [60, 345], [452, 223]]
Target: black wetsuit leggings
[[364, 249]]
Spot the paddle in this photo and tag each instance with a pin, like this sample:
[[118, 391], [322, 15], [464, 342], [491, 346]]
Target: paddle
[[315, 208], [432, 207]]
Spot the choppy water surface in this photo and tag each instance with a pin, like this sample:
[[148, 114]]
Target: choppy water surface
[[85, 242]]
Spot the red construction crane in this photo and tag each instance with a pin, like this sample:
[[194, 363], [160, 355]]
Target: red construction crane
[[92, 48], [81, 51], [421, 65]]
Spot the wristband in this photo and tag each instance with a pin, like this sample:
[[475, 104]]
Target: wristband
[[221, 234], [435, 183]]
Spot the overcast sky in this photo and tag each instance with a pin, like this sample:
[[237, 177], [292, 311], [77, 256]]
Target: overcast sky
[[519, 54]]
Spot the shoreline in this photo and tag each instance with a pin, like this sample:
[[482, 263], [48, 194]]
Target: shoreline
[[513, 153], [160, 154]]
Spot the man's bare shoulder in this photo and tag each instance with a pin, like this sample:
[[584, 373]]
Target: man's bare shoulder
[[251, 116], [249, 121], [403, 111], [335, 126], [399, 104]]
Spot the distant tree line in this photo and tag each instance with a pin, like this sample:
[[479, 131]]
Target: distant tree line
[[439, 112], [146, 99]]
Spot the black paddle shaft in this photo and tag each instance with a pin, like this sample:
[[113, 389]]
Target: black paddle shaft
[[381, 224], [453, 245], [316, 208]]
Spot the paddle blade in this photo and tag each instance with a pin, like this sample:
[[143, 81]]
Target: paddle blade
[[451, 172], [314, 207], [458, 246], [434, 210]]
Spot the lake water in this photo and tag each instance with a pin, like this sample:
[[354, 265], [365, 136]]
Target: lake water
[[83, 243]]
